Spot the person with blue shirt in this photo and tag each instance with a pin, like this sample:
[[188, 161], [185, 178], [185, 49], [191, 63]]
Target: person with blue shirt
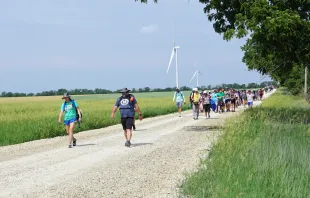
[[179, 98], [127, 105], [72, 114], [215, 100]]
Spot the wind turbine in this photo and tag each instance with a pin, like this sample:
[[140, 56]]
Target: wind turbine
[[174, 52], [197, 72]]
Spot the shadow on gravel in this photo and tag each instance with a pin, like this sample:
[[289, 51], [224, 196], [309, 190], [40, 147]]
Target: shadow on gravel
[[85, 144], [140, 130], [203, 128], [140, 144]]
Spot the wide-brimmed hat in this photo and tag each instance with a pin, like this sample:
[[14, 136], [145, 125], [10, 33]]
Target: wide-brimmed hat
[[66, 95], [124, 90]]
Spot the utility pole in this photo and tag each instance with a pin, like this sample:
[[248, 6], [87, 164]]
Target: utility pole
[[306, 83]]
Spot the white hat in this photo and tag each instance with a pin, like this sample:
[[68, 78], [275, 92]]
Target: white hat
[[204, 91], [195, 89]]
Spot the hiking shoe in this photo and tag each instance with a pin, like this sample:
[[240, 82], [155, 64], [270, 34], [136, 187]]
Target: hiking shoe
[[70, 146], [127, 143], [74, 142]]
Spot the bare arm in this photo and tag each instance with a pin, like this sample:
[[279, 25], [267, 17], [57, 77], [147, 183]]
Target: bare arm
[[60, 115], [79, 112], [138, 110], [113, 111]]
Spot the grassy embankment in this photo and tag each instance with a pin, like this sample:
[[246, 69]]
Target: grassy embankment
[[264, 153], [32, 118]]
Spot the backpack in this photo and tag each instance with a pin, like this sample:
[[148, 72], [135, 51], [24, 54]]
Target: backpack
[[73, 105], [190, 98], [130, 97]]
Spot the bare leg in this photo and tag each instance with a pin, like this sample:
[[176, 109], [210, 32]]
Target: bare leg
[[129, 134], [70, 133]]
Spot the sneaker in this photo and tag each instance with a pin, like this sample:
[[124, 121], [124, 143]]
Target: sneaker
[[209, 116], [129, 143], [70, 146], [74, 142]]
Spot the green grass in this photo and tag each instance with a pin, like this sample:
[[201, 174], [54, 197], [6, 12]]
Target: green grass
[[265, 152], [32, 118]]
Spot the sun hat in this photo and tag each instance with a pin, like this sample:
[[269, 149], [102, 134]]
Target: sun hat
[[66, 95], [124, 90]]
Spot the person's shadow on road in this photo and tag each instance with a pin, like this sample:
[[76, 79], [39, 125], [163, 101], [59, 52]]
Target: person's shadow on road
[[140, 144]]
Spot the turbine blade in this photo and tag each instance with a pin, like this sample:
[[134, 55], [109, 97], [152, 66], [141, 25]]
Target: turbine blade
[[200, 73], [171, 58], [193, 76]]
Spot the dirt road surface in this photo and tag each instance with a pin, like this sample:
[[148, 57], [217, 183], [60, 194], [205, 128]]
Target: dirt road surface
[[164, 149]]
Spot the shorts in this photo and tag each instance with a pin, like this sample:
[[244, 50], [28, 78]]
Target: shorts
[[221, 103], [250, 103], [127, 123], [227, 101], [207, 108], [67, 122], [179, 104]]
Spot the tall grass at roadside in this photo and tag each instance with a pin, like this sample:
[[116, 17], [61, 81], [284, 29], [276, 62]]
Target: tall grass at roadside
[[264, 152], [32, 118]]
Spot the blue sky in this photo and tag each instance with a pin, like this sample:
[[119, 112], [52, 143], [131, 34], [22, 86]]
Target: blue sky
[[52, 44]]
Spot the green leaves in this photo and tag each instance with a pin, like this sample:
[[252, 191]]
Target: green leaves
[[279, 32]]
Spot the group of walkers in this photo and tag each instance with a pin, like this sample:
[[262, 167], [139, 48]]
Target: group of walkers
[[219, 101], [126, 103]]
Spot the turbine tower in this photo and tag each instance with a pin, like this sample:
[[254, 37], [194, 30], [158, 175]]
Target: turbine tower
[[197, 72], [174, 52]]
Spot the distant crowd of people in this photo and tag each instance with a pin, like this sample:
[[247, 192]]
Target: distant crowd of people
[[219, 100]]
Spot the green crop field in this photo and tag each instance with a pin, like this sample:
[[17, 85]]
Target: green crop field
[[32, 118]]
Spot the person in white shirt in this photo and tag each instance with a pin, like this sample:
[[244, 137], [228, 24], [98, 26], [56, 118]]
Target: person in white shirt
[[250, 96]]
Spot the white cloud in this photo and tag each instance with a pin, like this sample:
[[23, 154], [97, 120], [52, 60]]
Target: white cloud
[[149, 29]]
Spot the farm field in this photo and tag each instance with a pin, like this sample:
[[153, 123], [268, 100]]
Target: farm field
[[31, 118]]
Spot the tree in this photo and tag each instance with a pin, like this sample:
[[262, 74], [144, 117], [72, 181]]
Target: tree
[[147, 89], [279, 32]]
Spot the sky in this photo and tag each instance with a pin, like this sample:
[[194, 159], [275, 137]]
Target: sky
[[53, 44]]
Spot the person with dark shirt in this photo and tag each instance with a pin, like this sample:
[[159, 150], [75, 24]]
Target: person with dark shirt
[[127, 105]]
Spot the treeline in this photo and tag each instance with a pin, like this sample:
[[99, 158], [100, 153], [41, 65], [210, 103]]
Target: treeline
[[135, 90]]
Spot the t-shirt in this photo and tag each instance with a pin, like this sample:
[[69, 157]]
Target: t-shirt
[[227, 96], [206, 99], [214, 97], [70, 111], [220, 96], [250, 97], [126, 106], [178, 97]]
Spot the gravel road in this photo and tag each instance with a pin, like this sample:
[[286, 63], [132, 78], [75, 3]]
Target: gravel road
[[164, 149]]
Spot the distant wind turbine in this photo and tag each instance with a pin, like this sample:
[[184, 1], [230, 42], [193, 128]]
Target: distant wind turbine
[[174, 52], [197, 72]]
